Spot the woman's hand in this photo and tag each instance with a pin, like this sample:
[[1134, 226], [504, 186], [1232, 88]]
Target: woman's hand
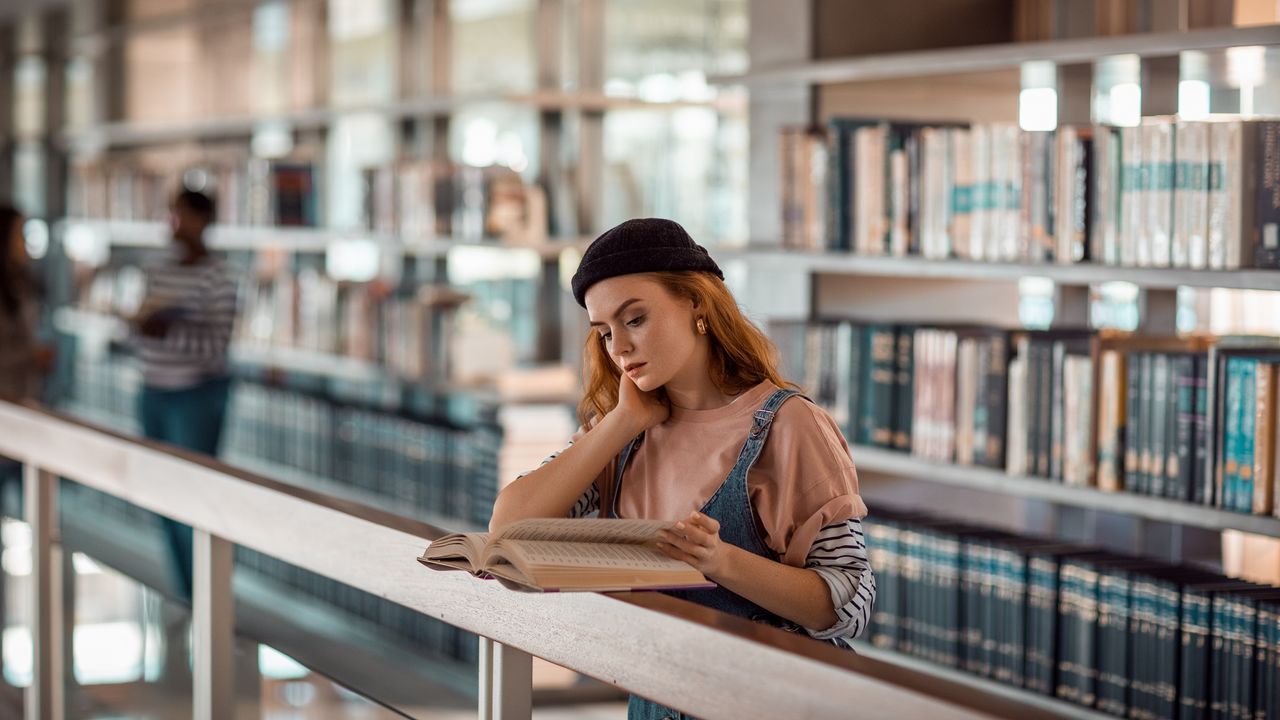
[[696, 540], [642, 410]]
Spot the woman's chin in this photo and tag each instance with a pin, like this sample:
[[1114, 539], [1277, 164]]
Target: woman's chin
[[647, 384]]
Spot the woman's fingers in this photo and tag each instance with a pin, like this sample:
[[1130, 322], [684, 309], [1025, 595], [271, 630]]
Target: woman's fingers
[[690, 545], [707, 522]]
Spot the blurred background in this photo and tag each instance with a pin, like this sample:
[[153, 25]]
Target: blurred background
[[403, 189]]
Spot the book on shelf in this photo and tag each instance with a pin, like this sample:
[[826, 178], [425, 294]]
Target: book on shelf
[[1166, 193], [1127, 636], [562, 554]]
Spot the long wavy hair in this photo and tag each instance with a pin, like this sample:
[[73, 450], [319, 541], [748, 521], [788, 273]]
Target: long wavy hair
[[741, 355]]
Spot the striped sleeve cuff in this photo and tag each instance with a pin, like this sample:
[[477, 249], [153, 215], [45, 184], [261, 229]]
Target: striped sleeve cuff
[[839, 557]]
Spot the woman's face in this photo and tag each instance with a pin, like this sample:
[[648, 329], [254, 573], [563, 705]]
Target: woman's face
[[648, 332]]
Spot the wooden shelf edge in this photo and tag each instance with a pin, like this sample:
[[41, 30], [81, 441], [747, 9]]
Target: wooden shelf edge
[[873, 460], [1081, 274], [153, 234], [1000, 56]]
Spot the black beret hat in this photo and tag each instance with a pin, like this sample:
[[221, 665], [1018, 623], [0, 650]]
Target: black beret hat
[[638, 246]]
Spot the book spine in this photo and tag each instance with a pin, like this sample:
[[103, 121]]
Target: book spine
[[1133, 404], [1016, 457], [1265, 171], [903, 389], [1264, 434], [883, 375], [1057, 409], [1182, 460], [1191, 660], [1110, 420], [1145, 424], [1160, 402], [1248, 437], [1157, 137], [1202, 491]]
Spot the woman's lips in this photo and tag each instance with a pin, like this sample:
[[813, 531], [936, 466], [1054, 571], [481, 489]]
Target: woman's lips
[[631, 371]]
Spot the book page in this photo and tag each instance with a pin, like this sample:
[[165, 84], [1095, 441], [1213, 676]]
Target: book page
[[466, 546], [584, 555], [584, 530]]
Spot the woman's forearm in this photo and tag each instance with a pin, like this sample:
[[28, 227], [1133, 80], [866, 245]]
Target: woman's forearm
[[551, 490], [793, 593]]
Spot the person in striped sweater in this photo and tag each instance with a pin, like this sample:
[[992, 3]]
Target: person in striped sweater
[[181, 334], [686, 418]]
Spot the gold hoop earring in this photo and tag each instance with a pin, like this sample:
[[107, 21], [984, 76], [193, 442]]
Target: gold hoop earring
[[702, 327]]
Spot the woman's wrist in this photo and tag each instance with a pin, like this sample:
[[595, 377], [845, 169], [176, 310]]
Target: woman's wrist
[[623, 423]]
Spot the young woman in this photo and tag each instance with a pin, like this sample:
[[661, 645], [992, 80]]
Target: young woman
[[686, 418]]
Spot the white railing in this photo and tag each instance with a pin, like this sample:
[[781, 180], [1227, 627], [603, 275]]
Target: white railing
[[704, 662]]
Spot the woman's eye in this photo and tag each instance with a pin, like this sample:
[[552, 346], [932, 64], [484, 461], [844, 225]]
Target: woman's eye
[[636, 322], [606, 336]]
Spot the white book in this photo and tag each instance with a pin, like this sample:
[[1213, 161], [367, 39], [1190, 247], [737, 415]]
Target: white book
[[1158, 158], [1129, 236], [1190, 196]]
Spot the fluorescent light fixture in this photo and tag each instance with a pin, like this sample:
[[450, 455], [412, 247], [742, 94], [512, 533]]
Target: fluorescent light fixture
[[271, 140], [355, 260], [1126, 104], [1193, 99], [476, 263], [1038, 109], [1035, 302]]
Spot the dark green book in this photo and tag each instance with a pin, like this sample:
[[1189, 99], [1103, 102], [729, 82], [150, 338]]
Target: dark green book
[[1180, 468], [1133, 406], [1201, 479], [1113, 641]]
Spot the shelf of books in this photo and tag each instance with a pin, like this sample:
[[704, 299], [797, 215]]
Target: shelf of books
[[1179, 430], [1103, 631]]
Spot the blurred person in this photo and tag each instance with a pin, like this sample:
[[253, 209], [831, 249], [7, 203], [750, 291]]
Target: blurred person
[[182, 332], [23, 359]]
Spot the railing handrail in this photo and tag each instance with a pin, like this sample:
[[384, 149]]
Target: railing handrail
[[703, 661]]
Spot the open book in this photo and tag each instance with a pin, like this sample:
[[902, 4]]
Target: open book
[[563, 554]]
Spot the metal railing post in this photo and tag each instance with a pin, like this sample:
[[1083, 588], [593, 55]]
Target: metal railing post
[[506, 682], [40, 498], [213, 628]]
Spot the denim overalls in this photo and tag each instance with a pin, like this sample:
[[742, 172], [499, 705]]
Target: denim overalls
[[731, 507]]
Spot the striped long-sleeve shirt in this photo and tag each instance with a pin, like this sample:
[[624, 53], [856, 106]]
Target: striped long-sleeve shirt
[[838, 555], [201, 299]]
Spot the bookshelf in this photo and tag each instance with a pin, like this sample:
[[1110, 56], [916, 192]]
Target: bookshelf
[[797, 90], [844, 284]]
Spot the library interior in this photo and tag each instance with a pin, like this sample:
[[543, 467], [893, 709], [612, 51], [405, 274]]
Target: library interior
[[305, 301]]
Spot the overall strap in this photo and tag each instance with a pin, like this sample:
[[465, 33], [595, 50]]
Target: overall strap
[[760, 431], [609, 505]]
